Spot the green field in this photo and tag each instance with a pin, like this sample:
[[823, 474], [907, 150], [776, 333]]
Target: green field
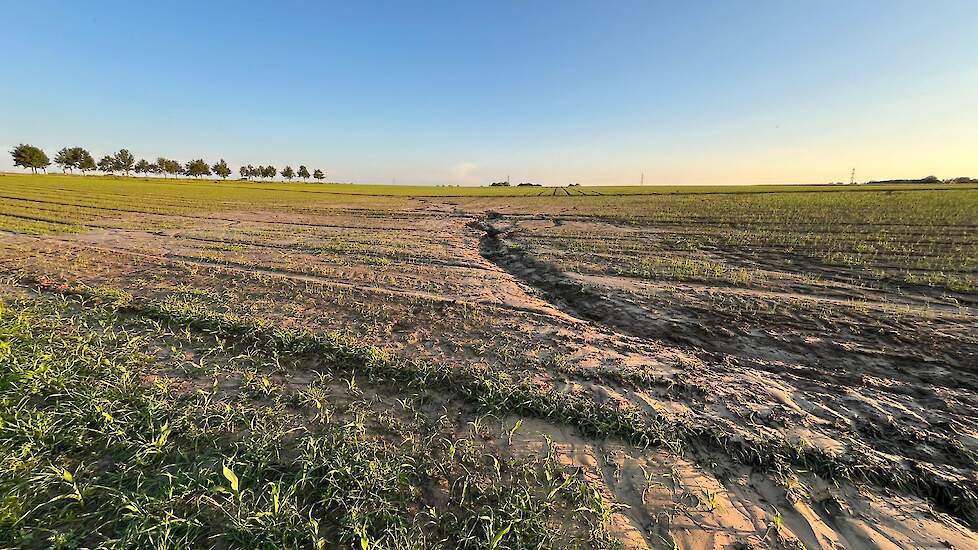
[[244, 190], [189, 364], [920, 233]]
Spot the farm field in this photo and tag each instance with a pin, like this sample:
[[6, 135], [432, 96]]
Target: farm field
[[260, 365]]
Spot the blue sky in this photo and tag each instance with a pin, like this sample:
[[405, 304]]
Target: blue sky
[[468, 93]]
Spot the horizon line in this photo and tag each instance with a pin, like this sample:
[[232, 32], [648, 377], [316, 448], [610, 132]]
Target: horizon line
[[278, 180]]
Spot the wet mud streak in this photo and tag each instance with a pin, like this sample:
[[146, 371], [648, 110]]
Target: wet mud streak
[[598, 305]]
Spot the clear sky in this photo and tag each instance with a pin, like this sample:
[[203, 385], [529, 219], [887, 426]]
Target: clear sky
[[470, 92]]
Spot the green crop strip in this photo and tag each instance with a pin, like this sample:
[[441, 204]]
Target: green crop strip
[[97, 451]]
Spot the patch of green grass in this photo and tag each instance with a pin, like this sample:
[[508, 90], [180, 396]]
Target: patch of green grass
[[684, 268], [99, 446]]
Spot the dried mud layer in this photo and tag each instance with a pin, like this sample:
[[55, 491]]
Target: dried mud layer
[[768, 398]]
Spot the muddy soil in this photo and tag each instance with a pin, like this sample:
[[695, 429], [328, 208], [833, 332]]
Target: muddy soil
[[884, 375]]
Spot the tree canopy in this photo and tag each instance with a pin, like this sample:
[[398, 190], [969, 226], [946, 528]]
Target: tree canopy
[[161, 165], [124, 161], [87, 162], [107, 164], [63, 159], [221, 169], [142, 167], [173, 167], [197, 168], [70, 158], [31, 157]]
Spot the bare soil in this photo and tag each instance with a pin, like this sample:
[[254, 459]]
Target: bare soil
[[799, 355]]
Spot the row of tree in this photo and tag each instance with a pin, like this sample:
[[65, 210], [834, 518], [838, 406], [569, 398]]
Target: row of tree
[[78, 158]]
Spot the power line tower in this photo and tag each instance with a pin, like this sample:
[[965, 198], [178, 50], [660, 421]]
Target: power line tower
[[852, 177], [641, 180]]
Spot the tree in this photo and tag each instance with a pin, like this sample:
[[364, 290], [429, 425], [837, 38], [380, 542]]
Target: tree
[[107, 164], [86, 162], [142, 167], [70, 158], [269, 171], [31, 157], [221, 169], [303, 172], [172, 167], [161, 166], [253, 172], [124, 161], [197, 168], [65, 160], [245, 174], [153, 169], [318, 174], [288, 173]]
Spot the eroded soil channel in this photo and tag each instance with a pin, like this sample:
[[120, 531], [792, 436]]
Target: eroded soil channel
[[602, 306]]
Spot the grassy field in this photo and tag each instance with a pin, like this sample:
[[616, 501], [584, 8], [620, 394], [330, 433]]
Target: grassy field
[[193, 364], [921, 234], [234, 189]]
